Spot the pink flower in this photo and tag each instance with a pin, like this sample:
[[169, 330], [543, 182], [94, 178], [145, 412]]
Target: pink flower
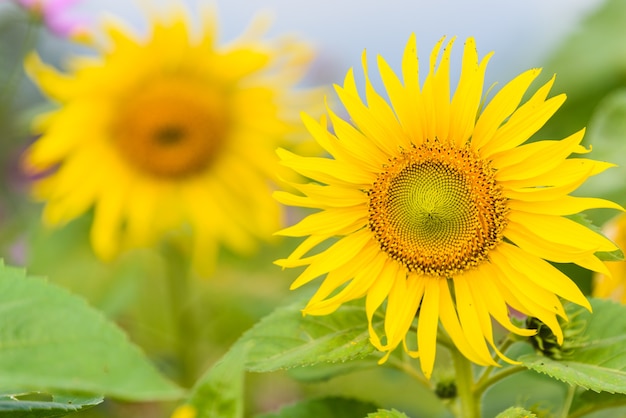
[[57, 16]]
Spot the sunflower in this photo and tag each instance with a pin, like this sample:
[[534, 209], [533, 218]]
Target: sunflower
[[169, 132], [436, 206], [613, 285]]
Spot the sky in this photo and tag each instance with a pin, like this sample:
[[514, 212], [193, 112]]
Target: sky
[[521, 32]]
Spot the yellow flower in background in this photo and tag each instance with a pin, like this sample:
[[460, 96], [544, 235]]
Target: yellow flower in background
[[613, 285], [185, 411], [438, 207], [166, 132]]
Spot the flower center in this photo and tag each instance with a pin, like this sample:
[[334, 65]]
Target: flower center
[[437, 209], [171, 128]]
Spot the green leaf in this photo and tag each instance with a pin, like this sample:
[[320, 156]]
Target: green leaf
[[58, 406], [286, 339], [383, 413], [219, 393], [326, 371], [516, 412], [331, 407], [51, 340], [597, 359], [588, 401]]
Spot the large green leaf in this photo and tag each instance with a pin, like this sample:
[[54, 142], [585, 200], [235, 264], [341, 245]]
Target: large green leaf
[[282, 340], [51, 340], [326, 371], [219, 393], [286, 339], [597, 360], [58, 406], [331, 407]]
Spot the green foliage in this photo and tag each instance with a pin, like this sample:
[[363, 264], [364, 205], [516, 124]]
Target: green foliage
[[383, 413], [219, 393], [326, 371], [282, 340], [57, 406], [597, 359], [587, 401], [286, 339], [516, 412], [51, 340], [331, 407]]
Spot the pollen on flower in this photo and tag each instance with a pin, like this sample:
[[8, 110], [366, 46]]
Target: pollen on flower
[[437, 209]]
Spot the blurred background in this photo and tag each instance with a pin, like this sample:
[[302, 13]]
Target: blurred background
[[583, 41]]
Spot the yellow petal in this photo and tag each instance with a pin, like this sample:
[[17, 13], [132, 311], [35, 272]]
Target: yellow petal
[[343, 251], [467, 97], [561, 231], [366, 271], [534, 298], [565, 205], [436, 94], [377, 294], [525, 121], [501, 107], [473, 327], [404, 104], [427, 326], [489, 295], [404, 299], [336, 221], [450, 322], [543, 274], [533, 159]]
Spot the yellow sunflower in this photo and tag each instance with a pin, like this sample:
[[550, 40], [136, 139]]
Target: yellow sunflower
[[613, 285], [168, 131], [438, 207]]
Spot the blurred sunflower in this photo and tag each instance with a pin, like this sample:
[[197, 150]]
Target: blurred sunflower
[[613, 285], [439, 208], [169, 132]]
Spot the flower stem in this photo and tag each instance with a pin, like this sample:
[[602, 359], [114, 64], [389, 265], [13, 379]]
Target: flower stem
[[404, 365], [486, 381], [470, 405], [185, 326], [567, 404]]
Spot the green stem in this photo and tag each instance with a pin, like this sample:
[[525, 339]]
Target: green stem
[[484, 376], [470, 403], [185, 326], [485, 382], [567, 404], [405, 366]]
